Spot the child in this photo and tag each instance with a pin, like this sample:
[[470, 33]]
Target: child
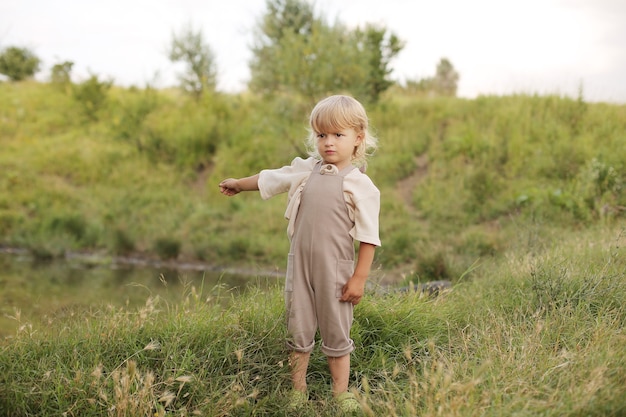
[[331, 203]]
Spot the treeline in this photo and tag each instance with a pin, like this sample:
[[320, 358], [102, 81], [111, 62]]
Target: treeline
[[296, 51]]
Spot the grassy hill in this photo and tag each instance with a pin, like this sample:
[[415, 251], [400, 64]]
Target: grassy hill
[[137, 173], [518, 200]]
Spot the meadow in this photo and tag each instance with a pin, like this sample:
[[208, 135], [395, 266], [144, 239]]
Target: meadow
[[517, 200], [535, 333]]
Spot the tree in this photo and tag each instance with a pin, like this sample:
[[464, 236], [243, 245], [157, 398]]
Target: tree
[[190, 48], [380, 47], [446, 79], [18, 63], [297, 51], [61, 73], [287, 17], [444, 83], [284, 28], [92, 94]]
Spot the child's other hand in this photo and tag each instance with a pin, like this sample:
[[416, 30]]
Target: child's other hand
[[230, 187], [353, 291]]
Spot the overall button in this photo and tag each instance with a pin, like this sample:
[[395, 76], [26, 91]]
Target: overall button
[[329, 169]]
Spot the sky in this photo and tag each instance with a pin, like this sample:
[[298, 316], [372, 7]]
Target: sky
[[498, 47]]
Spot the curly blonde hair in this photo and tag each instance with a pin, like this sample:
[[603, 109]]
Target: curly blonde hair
[[336, 113]]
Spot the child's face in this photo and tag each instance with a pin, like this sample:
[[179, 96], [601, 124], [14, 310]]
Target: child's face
[[338, 147]]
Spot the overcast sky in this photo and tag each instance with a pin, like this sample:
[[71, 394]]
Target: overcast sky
[[497, 46]]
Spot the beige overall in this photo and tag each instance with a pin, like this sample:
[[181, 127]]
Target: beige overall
[[320, 263]]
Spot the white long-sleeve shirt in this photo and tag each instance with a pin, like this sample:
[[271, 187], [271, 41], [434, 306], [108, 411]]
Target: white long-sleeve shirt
[[361, 195]]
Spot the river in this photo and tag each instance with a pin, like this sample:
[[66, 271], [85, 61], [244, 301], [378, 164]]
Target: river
[[35, 292]]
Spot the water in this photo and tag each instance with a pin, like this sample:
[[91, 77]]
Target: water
[[37, 292]]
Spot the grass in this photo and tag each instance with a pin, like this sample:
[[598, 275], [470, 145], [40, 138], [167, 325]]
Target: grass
[[518, 200], [539, 332]]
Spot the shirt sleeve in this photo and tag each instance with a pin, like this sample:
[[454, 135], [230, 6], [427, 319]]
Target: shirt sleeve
[[276, 181], [363, 200]]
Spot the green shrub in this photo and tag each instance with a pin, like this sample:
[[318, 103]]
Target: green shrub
[[122, 243], [92, 96], [134, 107], [18, 63], [167, 247], [72, 224]]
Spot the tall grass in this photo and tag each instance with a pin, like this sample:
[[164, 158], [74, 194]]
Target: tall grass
[[535, 333]]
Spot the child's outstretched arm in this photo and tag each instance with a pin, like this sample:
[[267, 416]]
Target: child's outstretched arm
[[234, 186]]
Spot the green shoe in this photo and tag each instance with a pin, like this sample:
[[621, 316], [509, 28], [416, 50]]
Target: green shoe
[[347, 403], [297, 400]]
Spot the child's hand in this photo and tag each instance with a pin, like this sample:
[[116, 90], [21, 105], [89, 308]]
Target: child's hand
[[353, 291], [230, 187]]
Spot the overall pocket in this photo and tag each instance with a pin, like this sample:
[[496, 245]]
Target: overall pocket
[[345, 269]]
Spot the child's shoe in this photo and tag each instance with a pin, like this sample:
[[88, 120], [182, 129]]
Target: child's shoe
[[297, 400], [347, 403]]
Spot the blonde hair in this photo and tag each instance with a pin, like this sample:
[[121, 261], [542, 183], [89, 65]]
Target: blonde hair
[[336, 113]]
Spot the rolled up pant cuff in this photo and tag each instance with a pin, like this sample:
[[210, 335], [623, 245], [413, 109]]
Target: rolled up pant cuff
[[336, 353], [305, 349]]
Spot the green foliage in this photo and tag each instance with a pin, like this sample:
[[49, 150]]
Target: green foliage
[[185, 133], [284, 17], [61, 73], [18, 63], [167, 247], [458, 178], [287, 50], [379, 47], [92, 96], [446, 79], [516, 199], [74, 225], [561, 289], [133, 108], [298, 52], [538, 332], [190, 48], [122, 243], [25, 112], [444, 83], [601, 187]]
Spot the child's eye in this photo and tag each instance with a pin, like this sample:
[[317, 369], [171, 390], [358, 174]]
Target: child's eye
[[321, 135]]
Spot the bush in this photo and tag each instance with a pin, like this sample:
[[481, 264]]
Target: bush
[[61, 74], [122, 243], [133, 108], [167, 247], [92, 95], [18, 63]]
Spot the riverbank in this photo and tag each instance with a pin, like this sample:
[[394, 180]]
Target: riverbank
[[538, 333], [92, 259]]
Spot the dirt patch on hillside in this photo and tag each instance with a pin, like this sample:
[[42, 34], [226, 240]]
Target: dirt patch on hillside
[[406, 186], [199, 184]]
